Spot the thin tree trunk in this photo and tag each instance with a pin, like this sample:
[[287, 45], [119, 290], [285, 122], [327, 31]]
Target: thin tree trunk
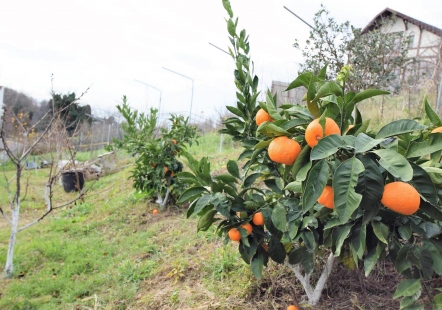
[[9, 267]]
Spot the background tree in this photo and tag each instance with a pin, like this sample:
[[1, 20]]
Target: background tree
[[70, 110], [378, 57], [155, 150], [18, 152]]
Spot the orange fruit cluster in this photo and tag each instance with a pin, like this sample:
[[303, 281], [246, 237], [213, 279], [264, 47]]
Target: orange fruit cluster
[[401, 197], [284, 150], [262, 116], [314, 131]]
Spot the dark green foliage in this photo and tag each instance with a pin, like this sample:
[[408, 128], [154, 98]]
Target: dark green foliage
[[70, 110]]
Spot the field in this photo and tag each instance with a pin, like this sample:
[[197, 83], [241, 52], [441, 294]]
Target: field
[[111, 252]]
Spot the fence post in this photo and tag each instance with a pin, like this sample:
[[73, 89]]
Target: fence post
[[221, 141]]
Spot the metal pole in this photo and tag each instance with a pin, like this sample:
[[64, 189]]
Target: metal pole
[[108, 134], [159, 106], [439, 94], [300, 18], [191, 98], [219, 48]]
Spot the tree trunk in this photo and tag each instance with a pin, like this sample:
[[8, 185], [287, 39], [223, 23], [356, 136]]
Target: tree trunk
[[9, 267]]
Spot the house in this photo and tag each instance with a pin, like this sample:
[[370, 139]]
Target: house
[[425, 47], [292, 96]]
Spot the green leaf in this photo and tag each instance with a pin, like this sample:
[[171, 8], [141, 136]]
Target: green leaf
[[303, 159], [295, 186], [432, 115], [381, 231], [395, 163], [279, 218], [311, 104], [431, 145], [317, 179], [341, 233], [191, 193], [372, 257], [232, 167], [370, 183], [226, 178], [329, 88], [231, 28], [302, 80], [256, 265], [206, 220], [407, 288], [235, 111], [368, 93], [365, 143], [251, 178], [271, 108], [304, 257], [277, 250], [269, 129], [262, 144], [423, 184], [344, 182], [434, 212], [202, 202], [227, 7], [399, 127], [327, 146], [437, 302]]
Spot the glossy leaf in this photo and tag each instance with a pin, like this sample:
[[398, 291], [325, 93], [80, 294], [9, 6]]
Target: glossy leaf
[[431, 145], [407, 288], [191, 193], [279, 218], [365, 143], [257, 264], [368, 93], [232, 168], [329, 88], [396, 164], [344, 182], [327, 146], [422, 183], [381, 231], [317, 179], [301, 160], [432, 115], [302, 80], [399, 127], [370, 183]]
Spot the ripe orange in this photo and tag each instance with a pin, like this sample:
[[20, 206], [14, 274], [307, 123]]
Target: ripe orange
[[262, 116], [166, 169], [401, 198], [292, 307], [327, 197], [247, 227], [155, 211], [234, 234], [258, 219], [314, 131], [438, 129], [174, 141], [284, 150], [153, 165]]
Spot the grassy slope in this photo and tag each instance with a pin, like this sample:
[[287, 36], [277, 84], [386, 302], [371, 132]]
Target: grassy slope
[[113, 252]]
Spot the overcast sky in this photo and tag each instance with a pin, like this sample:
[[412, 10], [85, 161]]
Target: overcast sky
[[108, 44]]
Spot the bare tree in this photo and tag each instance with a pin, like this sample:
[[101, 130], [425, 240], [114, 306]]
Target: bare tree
[[55, 137]]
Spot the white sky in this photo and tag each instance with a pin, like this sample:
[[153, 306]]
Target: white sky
[[107, 44]]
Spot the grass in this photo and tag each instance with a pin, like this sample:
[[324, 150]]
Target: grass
[[110, 251]]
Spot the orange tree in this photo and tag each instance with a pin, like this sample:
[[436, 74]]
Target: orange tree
[[155, 149], [329, 187]]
